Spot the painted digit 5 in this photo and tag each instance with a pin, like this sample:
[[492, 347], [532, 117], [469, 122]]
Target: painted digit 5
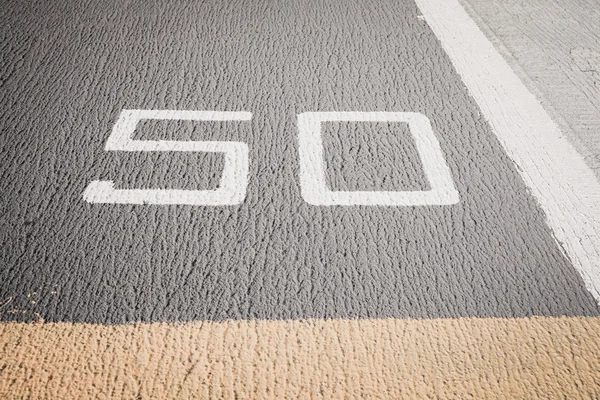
[[234, 179]]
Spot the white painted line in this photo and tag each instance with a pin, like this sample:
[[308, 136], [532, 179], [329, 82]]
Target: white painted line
[[234, 178], [312, 163], [564, 186]]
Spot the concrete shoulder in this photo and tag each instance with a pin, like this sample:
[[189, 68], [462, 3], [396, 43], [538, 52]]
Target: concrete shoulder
[[554, 47]]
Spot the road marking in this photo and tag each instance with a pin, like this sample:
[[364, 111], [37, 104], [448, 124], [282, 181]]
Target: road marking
[[564, 186], [234, 179], [312, 163]]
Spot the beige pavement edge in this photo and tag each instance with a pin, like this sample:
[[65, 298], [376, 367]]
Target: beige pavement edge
[[385, 358]]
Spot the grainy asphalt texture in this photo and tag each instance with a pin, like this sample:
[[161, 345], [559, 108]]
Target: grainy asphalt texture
[[485, 296], [68, 70]]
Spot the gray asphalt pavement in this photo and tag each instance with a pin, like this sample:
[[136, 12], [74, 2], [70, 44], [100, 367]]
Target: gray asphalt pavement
[[70, 68]]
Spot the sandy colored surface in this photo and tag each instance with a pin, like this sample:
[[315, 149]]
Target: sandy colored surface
[[465, 358]]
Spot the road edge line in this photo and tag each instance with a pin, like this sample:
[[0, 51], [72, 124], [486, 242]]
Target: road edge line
[[561, 182]]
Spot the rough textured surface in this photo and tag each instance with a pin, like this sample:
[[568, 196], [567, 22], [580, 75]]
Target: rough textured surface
[[536, 358], [226, 302], [73, 66], [554, 46]]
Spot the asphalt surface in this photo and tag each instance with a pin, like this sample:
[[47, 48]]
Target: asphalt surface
[[70, 68]]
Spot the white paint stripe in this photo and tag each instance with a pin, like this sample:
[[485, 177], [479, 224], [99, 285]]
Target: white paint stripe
[[565, 187]]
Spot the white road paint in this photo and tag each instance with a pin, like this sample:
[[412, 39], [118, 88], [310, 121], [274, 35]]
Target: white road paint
[[564, 186], [312, 164], [234, 179]]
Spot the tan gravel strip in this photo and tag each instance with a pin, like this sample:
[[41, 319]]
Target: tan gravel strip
[[387, 358]]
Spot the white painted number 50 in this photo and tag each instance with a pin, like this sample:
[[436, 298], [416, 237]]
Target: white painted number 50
[[234, 180]]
